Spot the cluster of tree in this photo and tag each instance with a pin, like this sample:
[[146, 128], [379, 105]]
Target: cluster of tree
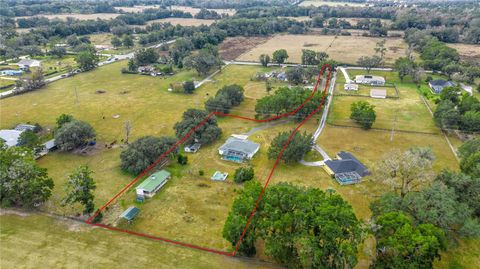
[[225, 98], [301, 228], [87, 59], [126, 41], [203, 61], [35, 81], [79, 189], [145, 57], [363, 113], [144, 151], [252, 27], [243, 174], [298, 145], [205, 133], [456, 111], [419, 213], [310, 57], [205, 14], [23, 183], [31, 8], [285, 100], [72, 133], [438, 56]]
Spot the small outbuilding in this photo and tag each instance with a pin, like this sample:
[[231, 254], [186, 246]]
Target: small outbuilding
[[370, 80], [350, 87], [438, 85], [150, 186], [238, 150], [378, 93], [219, 176], [130, 213], [192, 148]]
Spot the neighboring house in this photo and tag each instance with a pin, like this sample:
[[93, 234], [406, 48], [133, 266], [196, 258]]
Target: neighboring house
[[145, 69], [370, 80], [192, 148], [10, 137], [350, 87], [24, 127], [378, 93], [50, 145], [219, 176], [438, 85], [11, 72], [346, 169], [153, 183], [27, 63], [130, 213], [238, 150]]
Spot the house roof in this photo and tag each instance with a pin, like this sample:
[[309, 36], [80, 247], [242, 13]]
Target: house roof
[[347, 163], [29, 62], [130, 213], [241, 145], [195, 146], [10, 137], [49, 144], [24, 127], [441, 82], [153, 181]]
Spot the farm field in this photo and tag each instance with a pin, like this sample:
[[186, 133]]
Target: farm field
[[144, 101], [232, 47], [346, 49], [77, 16], [136, 9], [466, 51], [318, 3], [37, 241], [183, 21]]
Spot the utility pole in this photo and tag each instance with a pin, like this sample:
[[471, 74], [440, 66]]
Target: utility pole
[[76, 97], [393, 127]]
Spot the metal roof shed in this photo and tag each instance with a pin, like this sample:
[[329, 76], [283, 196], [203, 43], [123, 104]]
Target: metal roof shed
[[130, 213]]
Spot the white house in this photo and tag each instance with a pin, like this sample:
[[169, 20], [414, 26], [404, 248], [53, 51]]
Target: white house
[[370, 80], [27, 63]]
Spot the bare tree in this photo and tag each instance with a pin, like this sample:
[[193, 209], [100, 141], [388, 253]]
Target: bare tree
[[128, 129], [405, 171]]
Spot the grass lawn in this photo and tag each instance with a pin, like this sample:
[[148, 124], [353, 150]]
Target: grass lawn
[[407, 113], [41, 242]]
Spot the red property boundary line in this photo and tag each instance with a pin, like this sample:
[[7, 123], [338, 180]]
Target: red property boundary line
[[239, 242]]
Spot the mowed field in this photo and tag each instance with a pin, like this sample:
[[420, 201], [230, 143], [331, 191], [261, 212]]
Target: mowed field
[[345, 49], [407, 113], [467, 51], [34, 241]]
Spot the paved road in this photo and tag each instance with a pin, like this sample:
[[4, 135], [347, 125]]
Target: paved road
[[321, 125]]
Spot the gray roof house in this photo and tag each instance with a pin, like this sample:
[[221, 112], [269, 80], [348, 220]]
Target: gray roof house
[[238, 150], [24, 127], [438, 85], [346, 168], [10, 137]]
